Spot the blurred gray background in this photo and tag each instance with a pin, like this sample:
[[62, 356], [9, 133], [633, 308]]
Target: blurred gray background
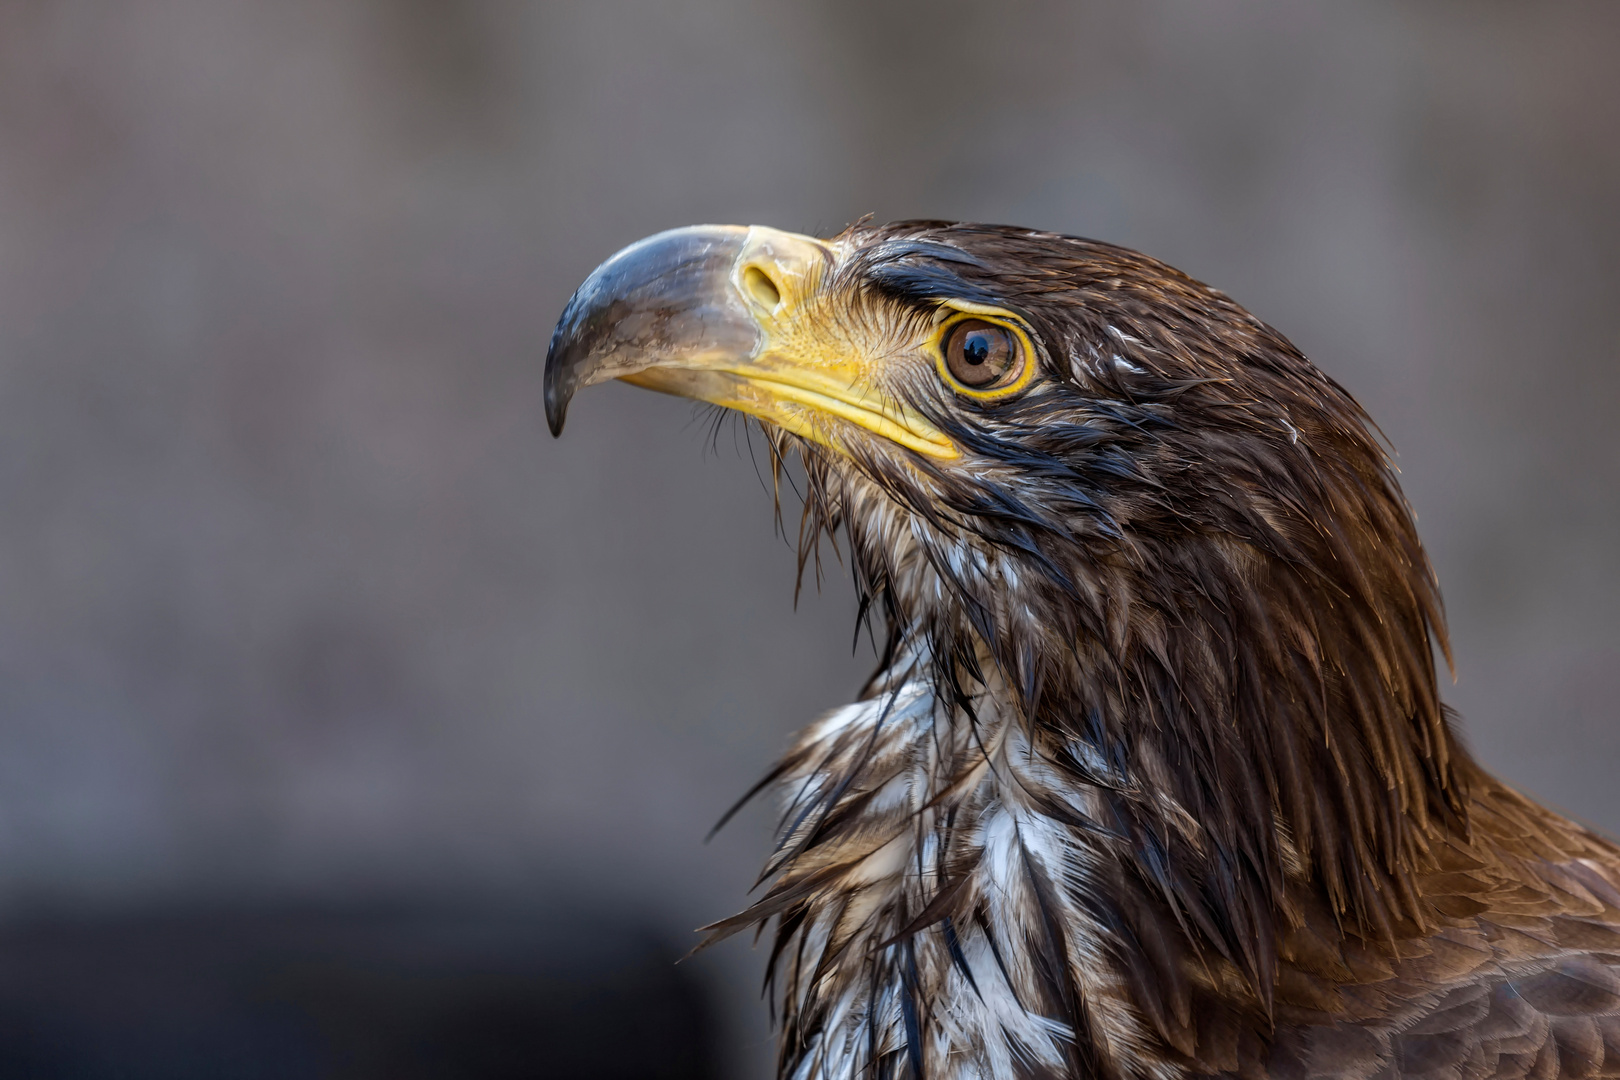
[[300, 604]]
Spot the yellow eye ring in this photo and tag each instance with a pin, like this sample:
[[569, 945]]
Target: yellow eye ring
[[982, 353]]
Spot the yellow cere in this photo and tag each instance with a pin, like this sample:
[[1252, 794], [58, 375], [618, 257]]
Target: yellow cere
[[819, 360]]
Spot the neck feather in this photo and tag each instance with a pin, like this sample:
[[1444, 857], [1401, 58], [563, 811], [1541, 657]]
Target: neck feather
[[1088, 791]]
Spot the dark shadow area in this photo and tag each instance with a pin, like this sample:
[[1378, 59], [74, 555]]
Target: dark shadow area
[[347, 994]]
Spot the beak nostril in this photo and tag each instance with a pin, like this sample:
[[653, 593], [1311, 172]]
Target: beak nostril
[[758, 285]]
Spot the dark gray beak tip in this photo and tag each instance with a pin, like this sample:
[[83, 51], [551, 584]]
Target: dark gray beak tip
[[659, 299], [558, 389], [556, 415]]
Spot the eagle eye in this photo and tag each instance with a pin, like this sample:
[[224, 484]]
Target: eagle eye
[[983, 356]]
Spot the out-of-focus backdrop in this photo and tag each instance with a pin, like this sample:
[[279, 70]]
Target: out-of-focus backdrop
[[320, 662]]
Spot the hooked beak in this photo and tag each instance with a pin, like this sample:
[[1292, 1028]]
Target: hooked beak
[[733, 316]]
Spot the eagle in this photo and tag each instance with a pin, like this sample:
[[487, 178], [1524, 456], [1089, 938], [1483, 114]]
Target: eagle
[[1153, 778]]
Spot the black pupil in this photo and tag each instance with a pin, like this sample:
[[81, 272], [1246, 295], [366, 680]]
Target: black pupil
[[981, 354], [976, 349]]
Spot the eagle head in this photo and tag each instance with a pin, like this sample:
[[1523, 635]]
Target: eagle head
[[1105, 515]]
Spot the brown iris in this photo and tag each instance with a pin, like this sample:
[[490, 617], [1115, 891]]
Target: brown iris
[[982, 355]]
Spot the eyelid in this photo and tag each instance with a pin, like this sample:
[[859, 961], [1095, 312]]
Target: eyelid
[[961, 311]]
